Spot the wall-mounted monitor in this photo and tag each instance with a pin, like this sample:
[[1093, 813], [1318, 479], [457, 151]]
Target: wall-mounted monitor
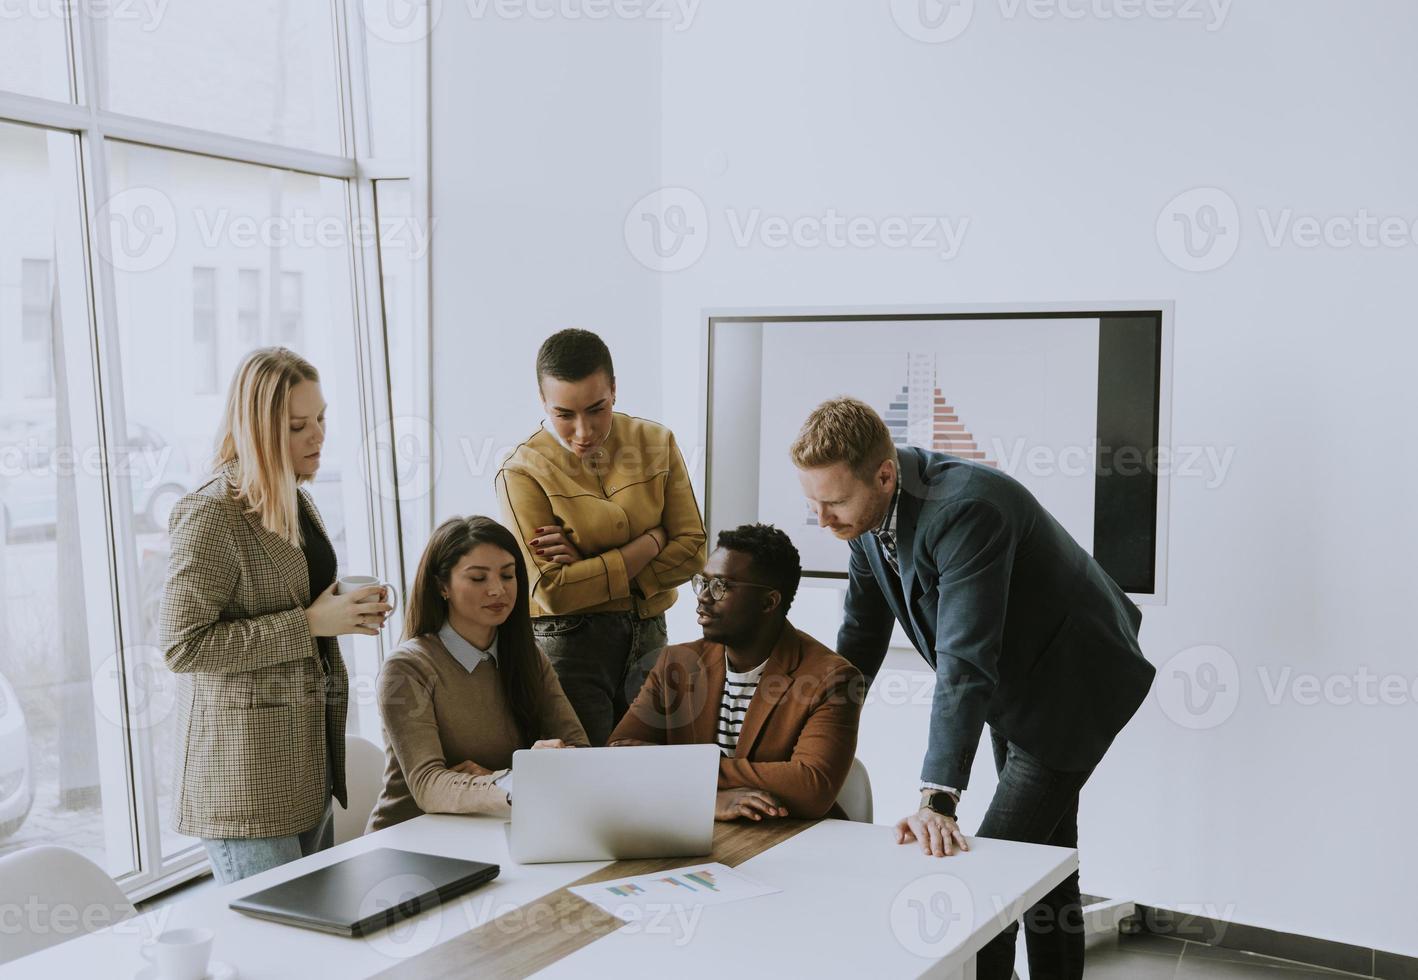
[[1071, 400]]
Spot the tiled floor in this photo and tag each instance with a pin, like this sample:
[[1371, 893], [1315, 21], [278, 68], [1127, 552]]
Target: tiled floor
[[1158, 958]]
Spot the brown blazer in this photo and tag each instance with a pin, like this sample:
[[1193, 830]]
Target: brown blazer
[[800, 732], [257, 709]]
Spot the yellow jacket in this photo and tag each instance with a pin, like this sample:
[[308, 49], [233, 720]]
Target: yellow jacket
[[635, 482]]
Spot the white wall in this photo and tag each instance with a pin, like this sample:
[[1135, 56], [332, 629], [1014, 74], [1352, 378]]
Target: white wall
[[544, 133], [1061, 140]]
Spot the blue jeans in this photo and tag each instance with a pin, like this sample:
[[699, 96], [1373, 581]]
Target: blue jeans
[[234, 858], [1036, 805], [601, 659]]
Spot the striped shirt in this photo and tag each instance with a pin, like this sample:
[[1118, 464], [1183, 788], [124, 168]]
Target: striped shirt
[[738, 692]]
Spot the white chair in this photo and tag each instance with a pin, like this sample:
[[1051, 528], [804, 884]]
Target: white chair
[[59, 894], [364, 778], [855, 798]]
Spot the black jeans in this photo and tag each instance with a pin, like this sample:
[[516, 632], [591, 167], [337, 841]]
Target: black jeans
[[1036, 805], [601, 659]]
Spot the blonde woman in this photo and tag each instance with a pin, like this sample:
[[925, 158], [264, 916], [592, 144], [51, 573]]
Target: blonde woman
[[250, 618], [468, 686]]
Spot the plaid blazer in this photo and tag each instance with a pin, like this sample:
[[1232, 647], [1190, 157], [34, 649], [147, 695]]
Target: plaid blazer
[[257, 709]]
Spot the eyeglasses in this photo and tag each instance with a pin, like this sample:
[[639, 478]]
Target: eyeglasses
[[719, 587]]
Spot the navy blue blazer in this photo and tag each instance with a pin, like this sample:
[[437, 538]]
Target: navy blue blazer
[[1025, 631]]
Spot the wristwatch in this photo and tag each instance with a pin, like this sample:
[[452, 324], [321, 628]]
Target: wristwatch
[[938, 801]]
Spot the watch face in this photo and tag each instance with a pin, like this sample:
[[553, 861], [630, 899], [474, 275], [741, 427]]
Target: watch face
[[939, 802]]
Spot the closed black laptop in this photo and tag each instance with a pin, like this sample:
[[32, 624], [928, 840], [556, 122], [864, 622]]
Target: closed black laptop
[[367, 892]]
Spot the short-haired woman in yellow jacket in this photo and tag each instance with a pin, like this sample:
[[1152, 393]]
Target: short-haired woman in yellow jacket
[[603, 509]]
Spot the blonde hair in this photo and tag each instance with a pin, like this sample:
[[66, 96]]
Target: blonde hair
[[843, 430], [255, 437]]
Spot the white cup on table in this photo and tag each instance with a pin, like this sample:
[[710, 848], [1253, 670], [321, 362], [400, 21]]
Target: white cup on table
[[180, 954]]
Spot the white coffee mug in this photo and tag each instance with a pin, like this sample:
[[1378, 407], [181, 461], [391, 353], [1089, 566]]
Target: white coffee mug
[[353, 583], [180, 954]]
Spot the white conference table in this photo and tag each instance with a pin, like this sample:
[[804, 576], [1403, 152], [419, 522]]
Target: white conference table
[[852, 903], [261, 950]]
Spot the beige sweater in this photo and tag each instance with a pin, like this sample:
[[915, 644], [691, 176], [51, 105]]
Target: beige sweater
[[436, 714]]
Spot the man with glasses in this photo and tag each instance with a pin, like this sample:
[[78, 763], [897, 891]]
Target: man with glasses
[[782, 707]]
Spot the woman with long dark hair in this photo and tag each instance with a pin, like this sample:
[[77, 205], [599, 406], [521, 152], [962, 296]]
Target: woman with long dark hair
[[468, 686]]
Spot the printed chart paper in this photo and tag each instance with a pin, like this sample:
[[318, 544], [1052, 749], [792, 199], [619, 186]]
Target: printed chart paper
[[700, 884]]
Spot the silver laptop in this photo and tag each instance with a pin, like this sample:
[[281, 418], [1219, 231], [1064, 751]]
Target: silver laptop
[[636, 801]]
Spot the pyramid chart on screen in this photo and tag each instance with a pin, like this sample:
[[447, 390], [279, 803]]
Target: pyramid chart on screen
[[919, 415]]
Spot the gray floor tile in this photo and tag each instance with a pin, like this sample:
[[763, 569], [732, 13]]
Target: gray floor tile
[[1225, 964], [1155, 960]]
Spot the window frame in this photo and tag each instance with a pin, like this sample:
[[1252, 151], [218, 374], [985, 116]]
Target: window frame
[[94, 372]]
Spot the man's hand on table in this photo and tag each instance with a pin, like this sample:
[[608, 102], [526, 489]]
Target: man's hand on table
[[938, 835], [741, 802]]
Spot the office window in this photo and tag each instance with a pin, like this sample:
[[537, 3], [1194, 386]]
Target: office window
[[402, 247], [248, 307], [172, 436], [115, 355], [292, 308], [261, 69], [34, 58], [394, 81], [37, 301], [64, 770], [204, 330]]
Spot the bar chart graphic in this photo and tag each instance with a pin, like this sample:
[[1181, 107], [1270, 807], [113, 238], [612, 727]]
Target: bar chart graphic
[[700, 880], [693, 886], [919, 415]]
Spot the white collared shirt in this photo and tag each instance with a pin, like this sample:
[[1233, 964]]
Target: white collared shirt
[[463, 651]]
